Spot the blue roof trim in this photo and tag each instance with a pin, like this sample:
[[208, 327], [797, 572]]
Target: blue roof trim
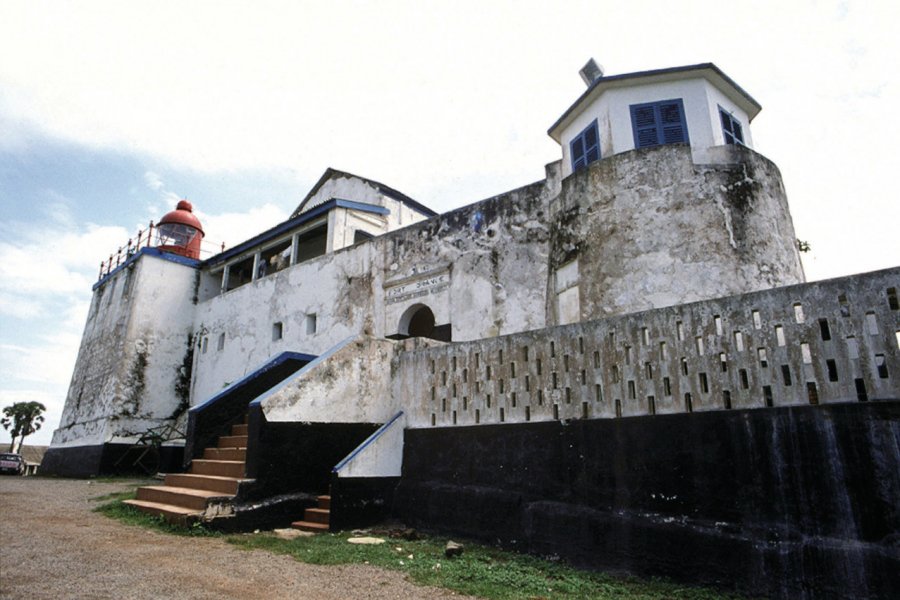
[[315, 362], [291, 224], [149, 251], [347, 459], [281, 358]]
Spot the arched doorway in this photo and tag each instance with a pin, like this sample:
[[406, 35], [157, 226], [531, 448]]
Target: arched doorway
[[418, 321]]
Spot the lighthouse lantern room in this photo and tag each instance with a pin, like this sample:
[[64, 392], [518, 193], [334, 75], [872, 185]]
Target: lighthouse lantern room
[[180, 231]]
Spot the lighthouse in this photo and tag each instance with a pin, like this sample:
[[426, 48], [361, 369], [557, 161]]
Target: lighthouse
[[180, 231]]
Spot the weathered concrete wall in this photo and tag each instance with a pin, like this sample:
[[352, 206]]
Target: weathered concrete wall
[[649, 228], [133, 367], [750, 351], [349, 384]]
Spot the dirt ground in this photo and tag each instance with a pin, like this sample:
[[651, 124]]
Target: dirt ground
[[53, 546]]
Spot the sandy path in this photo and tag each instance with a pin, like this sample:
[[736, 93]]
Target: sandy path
[[53, 546]]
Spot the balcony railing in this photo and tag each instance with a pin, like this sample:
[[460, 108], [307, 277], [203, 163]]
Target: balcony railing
[[144, 239]]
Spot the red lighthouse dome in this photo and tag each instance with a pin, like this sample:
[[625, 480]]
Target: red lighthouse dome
[[180, 231]]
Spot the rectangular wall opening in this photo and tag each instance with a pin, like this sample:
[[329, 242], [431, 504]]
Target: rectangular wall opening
[[812, 392], [892, 298], [881, 366], [831, 365], [667, 386], [861, 394], [767, 395], [277, 331], [651, 405], [786, 375], [726, 399], [688, 403], [704, 384], [824, 330]]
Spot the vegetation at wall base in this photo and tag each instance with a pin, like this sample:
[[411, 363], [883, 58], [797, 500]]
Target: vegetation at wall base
[[480, 571]]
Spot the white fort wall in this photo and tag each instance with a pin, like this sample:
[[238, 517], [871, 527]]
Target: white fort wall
[[128, 371], [824, 342]]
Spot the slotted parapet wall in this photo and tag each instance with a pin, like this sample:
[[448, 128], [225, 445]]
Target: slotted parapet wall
[[816, 343]]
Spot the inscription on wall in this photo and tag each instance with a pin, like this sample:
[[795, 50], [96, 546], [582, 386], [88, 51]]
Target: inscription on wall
[[416, 286]]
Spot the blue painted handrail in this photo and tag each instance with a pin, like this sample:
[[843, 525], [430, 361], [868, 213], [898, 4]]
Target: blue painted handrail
[[366, 443]]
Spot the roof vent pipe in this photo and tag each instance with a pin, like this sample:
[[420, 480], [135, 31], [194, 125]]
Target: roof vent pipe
[[591, 72]]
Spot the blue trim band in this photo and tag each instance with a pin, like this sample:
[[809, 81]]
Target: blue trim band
[[312, 364], [292, 224], [149, 251], [281, 358], [366, 443]]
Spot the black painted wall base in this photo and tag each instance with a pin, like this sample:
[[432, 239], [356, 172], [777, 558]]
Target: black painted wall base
[[110, 459], [799, 502], [358, 502]]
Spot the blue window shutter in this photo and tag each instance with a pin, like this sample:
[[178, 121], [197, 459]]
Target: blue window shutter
[[658, 123], [731, 128], [585, 148]]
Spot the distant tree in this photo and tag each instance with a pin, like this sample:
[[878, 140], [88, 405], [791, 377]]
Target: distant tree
[[22, 419]]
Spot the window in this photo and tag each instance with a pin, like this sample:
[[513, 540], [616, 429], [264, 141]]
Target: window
[[585, 147], [277, 331], [731, 128], [311, 324], [657, 123]]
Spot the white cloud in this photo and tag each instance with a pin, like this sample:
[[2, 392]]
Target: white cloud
[[153, 180], [234, 228]]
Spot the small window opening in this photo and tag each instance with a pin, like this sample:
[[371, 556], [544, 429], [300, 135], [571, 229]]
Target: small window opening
[[452, 363], [745, 381], [465, 375], [799, 317], [812, 392], [651, 405], [596, 359], [786, 375], [763, 357], [527, 383], [478, 360], [723, 360], [585, 410], [581, 345], [805, 353], [221, 343], [718, 321], [845, 305], [704, 384], [566, 362], [540, 397], [649, 370], [852, 347], [477, 416], [861, 394], [824, 329], [525, 353], [757, 320], [663, 351], [500, 356], [684, 366], [568, 395], [726, 399], [537, 366], [502, 414], [311, 324], [205, 344], [443, 377], [556, 412], [433, 393], [553, 380], [433, 420], [631, 391], [872, 323], [454, 390], [598, 393], [454, 417], [618, 408], [779, 335], [645, 336], [688, 403], [583, 377], [699, 340], [443, 405], [552, 349], [513, 398], [767, 395], [667, 386], [892, 298], [487, 372], [527, 413], [615, 373], [500, 383], [627, 355], [277, 331], [881, 366], [739, 341], [679, 330], [831, 365], [487, 400]]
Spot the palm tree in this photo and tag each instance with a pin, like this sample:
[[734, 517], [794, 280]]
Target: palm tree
[[25, 418]]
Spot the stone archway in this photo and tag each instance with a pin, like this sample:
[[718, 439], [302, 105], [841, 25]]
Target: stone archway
[[418, 321]]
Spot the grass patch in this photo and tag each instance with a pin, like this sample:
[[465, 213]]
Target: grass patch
[[480, 571], [129, 515]]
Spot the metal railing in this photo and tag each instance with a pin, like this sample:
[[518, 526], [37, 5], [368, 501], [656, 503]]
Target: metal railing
[[144, 239]]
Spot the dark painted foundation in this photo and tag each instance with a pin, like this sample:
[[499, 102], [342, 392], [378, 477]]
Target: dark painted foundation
[[800, 502], [287, 458], [358, 502], [110, 459]]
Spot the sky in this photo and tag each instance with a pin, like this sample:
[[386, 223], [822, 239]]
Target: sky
[[112, 111]]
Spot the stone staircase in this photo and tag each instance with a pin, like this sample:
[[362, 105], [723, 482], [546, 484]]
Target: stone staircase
[[206, 491], [316, 519]]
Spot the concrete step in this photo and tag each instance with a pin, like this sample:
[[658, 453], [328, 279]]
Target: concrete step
[[188, 498], [324, 501], [213, 483], [317, 515], [309, 526], [221, 468], [172, 514], [239, 429], [225, 453], [233, 441]]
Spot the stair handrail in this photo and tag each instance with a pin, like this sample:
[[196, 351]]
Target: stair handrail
[[369, 440]]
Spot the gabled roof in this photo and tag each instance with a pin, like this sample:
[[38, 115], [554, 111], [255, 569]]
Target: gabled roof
[[382, 188], [708, 71]]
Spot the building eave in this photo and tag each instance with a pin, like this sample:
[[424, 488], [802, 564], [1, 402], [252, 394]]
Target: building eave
[[708, 71]]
